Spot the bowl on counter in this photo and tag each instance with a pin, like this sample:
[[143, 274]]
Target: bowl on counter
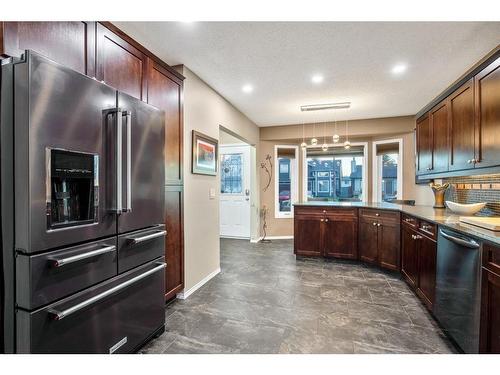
[[465, 209]]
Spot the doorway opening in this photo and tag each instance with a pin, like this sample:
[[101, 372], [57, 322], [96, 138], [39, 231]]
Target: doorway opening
[[236, 186]]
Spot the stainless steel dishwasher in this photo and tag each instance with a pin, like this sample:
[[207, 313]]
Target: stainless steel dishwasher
[[458, 273]]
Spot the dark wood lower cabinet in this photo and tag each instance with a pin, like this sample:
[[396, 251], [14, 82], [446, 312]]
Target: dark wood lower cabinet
[[308, 234], [427, 251], [490, 313], [368, 243], [340, 234], [174, 244], [409, 256]]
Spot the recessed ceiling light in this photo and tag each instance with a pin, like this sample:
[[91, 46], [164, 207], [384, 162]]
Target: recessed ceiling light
[[399, 68], [317, 78], [247, 88]]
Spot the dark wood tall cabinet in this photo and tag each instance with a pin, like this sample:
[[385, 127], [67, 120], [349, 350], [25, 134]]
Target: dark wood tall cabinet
[[489, 339], [101, 50]]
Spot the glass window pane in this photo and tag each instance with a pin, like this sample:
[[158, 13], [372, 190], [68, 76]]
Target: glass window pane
[[335, 178], [231, 177], [389, 176], [284, 185]]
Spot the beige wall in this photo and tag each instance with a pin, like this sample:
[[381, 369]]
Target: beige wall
[[205, 111], [359, 131]]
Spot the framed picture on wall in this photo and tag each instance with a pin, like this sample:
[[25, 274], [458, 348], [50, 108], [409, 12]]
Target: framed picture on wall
[[205, 154]]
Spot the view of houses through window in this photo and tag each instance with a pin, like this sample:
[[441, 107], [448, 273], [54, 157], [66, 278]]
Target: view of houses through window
[[335, 177], [389, 176]]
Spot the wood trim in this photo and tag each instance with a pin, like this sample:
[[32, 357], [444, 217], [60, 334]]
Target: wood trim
[[141, 48], [179, 189], [472, 71], [173, 293]]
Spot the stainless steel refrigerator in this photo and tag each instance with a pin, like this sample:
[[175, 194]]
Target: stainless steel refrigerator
[[82, 206]]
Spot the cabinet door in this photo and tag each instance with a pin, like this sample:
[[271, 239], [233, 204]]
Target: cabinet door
[[487, 111], [68, 43], [119, 64], [462, 129], [340, 237], [308, 232], [438, 117], [165, 92], [424, 146], [490, 313], [426, 270], [389, 244], [368, 240], [409, 256], [174, 242]]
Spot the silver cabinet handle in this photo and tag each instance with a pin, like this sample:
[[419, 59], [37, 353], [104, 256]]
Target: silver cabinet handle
[[149, 236], [119, 135], [58, 315], [128, 116], [63, 261]]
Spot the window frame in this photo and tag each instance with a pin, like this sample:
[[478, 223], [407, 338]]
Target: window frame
[[365, 168], [377, 169], [294, 181]]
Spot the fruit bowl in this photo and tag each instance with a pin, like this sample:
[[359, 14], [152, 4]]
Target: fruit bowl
[[465, 209]]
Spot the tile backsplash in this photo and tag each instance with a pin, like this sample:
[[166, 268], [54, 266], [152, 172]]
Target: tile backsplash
[[476, 189]]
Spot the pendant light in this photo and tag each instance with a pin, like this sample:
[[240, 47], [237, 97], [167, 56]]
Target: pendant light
[[347, 144], [314, 141], [303, 145], [336, 136], [324, 147]]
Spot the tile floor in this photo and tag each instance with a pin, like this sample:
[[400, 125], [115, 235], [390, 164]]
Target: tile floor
[[266, 301]]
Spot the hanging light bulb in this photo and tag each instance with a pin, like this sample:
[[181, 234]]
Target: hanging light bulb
[[314, 141], [347, 144], [324, 147], [336, 136], [303, 145]]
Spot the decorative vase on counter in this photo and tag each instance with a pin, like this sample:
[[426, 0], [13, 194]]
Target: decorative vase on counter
[[439, 190]]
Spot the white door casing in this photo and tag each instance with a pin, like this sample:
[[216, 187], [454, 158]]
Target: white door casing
[[235, 208]]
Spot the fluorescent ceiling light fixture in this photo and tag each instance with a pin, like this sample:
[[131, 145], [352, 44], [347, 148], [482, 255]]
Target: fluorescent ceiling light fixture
[[399, 68], [247, 88], [319, 107], [317, 78]]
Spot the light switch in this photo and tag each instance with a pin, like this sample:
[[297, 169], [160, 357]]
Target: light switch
[[211, 193]]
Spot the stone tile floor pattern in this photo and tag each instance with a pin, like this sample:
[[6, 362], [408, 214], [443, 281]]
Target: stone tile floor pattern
[[266, 301]]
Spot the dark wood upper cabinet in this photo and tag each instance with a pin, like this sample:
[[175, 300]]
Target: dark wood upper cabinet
[[462, 127], [487, 114], [340, 234], [165, 92], [409, 256], [120, 64], [68, 43], [438, 118], [424, 145]]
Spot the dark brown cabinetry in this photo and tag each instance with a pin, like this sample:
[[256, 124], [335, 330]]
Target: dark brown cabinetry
[[379, 238], [99, 49], [460, 133], [490, 301], [418, 260], [325, 232]]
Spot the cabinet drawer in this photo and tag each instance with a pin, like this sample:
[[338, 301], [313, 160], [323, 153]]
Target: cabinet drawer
[[308, 211], [491, 258], [115, 316], [335, 211], [429, 229], [379, 214], [44, 278], [139, 247], [409, 221]]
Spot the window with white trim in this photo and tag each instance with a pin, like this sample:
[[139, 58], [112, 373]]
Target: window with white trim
[[286, 180]]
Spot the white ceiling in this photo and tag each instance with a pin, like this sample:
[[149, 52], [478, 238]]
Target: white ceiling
[[355, 58]]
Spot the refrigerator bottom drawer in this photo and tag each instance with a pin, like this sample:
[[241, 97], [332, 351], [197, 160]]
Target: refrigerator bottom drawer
[[116, 316]]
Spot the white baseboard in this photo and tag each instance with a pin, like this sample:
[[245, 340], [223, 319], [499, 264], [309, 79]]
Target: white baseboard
[[272, 238], [186, 293]]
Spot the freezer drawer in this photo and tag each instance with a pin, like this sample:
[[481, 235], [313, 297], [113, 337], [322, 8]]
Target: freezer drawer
[[141, 246], [116, 316], [47, 277]]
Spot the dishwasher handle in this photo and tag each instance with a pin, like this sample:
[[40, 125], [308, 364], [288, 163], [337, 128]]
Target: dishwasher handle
[[467, 242]]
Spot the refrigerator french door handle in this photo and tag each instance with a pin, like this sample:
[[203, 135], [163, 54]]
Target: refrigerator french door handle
[[128, 116], [119, 161]]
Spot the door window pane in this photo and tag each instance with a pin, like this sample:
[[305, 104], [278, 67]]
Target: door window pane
[[389, 176], [231, 178]]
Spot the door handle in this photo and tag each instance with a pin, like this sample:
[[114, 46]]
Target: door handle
[[119, 161], [58, 315], [59, 262], [128, 116], [147, 237], [467, 242], [247, 192]]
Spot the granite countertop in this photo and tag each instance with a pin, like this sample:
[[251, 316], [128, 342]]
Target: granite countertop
[[442, 217]]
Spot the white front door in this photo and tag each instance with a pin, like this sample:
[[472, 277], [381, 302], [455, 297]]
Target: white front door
[[235, 191]]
